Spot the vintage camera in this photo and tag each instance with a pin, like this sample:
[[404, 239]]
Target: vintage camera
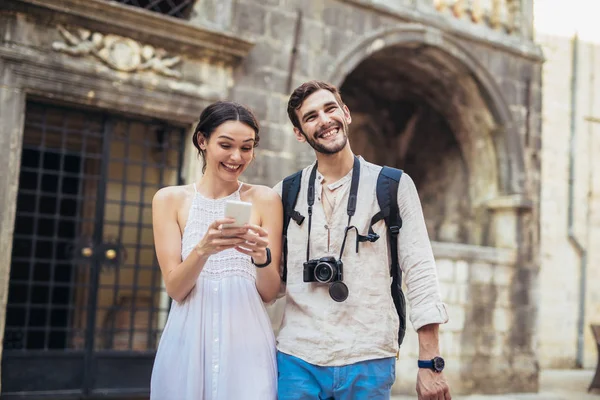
[[330, 271], [323, 270]]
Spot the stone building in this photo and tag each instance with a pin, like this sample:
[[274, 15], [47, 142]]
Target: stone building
[[97, 101], [569, 278]]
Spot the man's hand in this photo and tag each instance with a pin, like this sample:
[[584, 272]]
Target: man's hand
[[432, 385]]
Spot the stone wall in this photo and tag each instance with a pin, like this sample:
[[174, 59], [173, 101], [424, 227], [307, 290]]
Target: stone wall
[[560, 294], [329, 32], [476, 284]]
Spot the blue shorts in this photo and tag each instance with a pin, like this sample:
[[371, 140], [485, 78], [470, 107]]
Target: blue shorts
[[299, 380]]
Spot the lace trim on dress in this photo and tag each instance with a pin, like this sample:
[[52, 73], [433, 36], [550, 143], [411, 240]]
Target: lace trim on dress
[[203, 212]]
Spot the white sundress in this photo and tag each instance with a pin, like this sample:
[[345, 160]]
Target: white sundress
[[218, 344]]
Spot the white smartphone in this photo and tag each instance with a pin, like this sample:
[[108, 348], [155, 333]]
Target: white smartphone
[[238, 210]]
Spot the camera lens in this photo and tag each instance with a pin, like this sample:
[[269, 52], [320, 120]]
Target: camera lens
[[323, 272]]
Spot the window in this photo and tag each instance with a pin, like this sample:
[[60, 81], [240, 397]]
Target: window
[[173, 8]]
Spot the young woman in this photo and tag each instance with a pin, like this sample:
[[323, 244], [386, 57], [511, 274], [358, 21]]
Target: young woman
[[218, 343]]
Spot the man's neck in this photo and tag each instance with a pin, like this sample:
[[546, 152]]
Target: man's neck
[[334, 167]]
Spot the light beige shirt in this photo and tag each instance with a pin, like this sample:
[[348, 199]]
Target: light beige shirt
[[365, 326]]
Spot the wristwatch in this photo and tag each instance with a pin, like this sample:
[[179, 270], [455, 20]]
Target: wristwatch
[[266, 262], [436, 364]]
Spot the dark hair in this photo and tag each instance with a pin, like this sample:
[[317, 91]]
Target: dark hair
[[305, 90], [217, 114]]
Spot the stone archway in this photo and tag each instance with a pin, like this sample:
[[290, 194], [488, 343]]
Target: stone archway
[[420, 101]]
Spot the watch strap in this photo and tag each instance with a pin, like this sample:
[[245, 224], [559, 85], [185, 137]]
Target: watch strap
[[266, 263]]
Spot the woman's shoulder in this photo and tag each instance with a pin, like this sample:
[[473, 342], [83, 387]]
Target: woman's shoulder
[[173, 194], [260, 194]]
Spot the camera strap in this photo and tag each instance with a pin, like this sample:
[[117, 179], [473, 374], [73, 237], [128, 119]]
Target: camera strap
[[350, 209]]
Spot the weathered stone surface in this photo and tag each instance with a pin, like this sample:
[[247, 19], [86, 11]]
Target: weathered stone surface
[[12, 113], [560, 276], [212, 13]]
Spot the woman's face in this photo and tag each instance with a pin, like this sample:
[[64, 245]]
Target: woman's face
[[229, 150]]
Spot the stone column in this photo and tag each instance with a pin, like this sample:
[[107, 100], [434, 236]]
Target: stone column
[[510, 227], [526, 18], [504, 222], [12, 113]]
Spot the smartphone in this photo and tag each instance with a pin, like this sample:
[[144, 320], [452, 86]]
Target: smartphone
[[238, 210]]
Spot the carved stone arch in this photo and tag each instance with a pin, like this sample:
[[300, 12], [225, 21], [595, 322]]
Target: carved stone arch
[[509, 159]]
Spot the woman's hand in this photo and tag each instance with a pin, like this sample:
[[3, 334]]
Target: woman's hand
[[255, 243], [219, 238]]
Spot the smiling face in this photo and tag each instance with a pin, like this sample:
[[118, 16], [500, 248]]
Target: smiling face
[[229, 150], [324, 122]]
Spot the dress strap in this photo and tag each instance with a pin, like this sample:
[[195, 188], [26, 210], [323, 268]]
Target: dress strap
[[239, 187], [196, 190]]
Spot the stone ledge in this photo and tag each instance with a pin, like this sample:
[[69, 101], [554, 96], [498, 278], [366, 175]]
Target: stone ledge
[[37, 75], [141, 24], [471, 253], [517, 45], [511, 202]]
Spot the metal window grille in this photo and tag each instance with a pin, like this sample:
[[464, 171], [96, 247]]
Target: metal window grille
[[173, 8]]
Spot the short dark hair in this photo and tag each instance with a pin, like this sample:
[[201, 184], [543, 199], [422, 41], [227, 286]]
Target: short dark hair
[[217, 114], [302, 92]]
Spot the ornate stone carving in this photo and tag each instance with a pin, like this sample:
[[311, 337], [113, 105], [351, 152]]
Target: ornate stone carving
[[497, 14], [119, 53]]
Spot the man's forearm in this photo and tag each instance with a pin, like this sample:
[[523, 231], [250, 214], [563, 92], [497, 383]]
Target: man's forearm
[[429, 345]]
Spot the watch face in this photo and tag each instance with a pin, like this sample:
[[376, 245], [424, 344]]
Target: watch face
[[438, 364]]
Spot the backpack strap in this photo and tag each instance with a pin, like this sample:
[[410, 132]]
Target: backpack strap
[[387, 197], [289, 195]]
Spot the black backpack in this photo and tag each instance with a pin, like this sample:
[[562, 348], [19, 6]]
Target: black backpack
[[387, 197]]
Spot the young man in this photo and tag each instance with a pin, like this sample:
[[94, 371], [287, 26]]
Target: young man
[[339, 334]]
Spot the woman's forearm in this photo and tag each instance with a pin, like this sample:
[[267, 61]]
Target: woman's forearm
[[267, 283], [181, 280]]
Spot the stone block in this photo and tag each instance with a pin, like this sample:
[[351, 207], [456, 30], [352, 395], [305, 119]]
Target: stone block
[[499, 348], [281, 26], [481, 273], [501, 320], [456, 321], [273, 137], [254, 99], [272, 81], [462, 294], [338, 42], [503, 275], [212, 13], [249, 20], [462, 271], [264, 54], [311, 10], [503, 296], [449, 293], [450, 345], [445, 270], [344, 18], [313, 35], [277, 113]]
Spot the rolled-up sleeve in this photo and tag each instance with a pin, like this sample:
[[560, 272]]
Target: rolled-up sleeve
[[416, 260]]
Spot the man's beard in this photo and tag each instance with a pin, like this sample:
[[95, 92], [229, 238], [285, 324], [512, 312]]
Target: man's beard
[[320, 148]]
